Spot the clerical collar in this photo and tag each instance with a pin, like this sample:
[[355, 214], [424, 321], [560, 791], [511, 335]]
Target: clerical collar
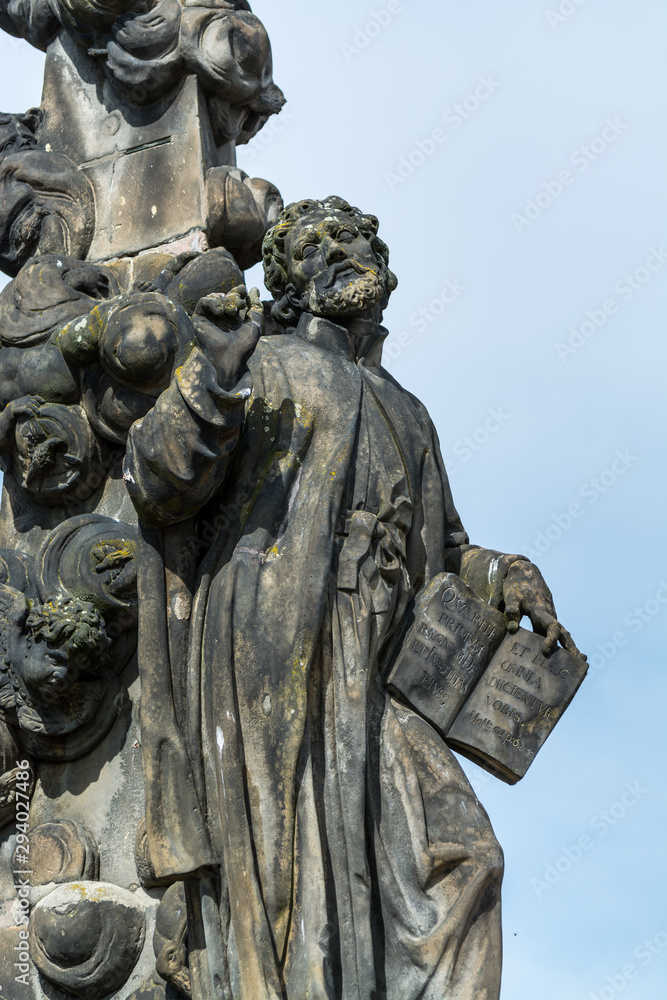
[[337, 339]]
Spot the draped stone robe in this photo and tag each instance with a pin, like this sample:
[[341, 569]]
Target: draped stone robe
[[352, 858]]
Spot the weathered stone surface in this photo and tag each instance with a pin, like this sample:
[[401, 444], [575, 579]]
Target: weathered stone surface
[[450, 642], [218, 517], [170, 940], [520, 697], [125, 157], [46, 206], [86, 938], [92, 557], [63, 851]]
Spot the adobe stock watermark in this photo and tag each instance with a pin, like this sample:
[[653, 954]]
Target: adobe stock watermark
[[453, 118], [22, 871], [425, 316], [562, 13], [625, 289], [645, 953], [470, 444], [274, 127], [581, 159], [364, 34], [591, 491], [635, 620], [601, 823]]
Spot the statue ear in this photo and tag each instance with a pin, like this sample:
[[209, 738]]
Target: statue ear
[[292, 296], [286, 310]]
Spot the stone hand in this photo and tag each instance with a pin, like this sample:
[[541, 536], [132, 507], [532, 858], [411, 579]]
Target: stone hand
[[526, 593], [24, 406], [230, 311], [228, 327], [153, 29]]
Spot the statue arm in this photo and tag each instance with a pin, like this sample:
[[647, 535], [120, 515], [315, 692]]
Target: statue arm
[[178, 454], [506, 581], [484, 570], [34, 20]]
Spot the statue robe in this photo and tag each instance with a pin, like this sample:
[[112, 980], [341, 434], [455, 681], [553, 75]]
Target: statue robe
[[355, 862]]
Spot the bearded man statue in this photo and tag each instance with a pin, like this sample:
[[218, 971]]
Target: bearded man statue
[[331, 844]]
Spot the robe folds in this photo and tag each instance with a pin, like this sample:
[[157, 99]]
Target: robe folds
[[342, 851]]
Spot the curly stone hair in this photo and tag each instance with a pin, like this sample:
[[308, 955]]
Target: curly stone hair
[[71, 619], [274, 253]]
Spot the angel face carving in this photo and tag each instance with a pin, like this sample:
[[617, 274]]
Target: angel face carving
[[49, 646], [67, 630]]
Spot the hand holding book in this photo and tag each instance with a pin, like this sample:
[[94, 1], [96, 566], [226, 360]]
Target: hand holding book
[[526, 593], [490, 690]]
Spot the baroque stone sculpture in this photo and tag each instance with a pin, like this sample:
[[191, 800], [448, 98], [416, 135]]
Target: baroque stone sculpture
[[219, 518]]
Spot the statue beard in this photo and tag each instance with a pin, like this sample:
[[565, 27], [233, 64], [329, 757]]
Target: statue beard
[[366, 290]]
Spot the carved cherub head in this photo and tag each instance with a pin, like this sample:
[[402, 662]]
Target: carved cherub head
[[47, 647], [325, 257]]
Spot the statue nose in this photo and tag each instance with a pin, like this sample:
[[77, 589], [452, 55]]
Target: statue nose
[[334, 252]]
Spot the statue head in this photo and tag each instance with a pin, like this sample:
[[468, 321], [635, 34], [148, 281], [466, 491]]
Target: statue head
[[325, 258], [46, 206], [19, 131], [47, 647]]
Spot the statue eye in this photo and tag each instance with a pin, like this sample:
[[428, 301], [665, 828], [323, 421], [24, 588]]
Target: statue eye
[[308, 250], [345, 236]]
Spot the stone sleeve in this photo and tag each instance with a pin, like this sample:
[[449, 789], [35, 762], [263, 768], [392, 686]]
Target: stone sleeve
[[177, 455], [34, 20], [484, 571]]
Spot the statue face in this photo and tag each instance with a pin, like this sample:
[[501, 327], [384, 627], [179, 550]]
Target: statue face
[[332, 266], [15, 134], [46, 206], [48, 669]]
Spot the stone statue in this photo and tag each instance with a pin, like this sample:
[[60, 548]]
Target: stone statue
[[329, 806], [218, 517]]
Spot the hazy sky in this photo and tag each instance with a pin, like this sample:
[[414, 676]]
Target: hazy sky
[[515, 152]]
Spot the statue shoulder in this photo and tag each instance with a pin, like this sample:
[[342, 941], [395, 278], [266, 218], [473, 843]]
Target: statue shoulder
[[410, 401]]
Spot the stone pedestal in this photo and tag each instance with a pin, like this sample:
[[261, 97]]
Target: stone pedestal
[[130, 155]]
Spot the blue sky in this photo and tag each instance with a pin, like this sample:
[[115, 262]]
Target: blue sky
[[516, 155]]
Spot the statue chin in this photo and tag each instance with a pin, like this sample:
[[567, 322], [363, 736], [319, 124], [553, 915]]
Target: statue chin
[[352, 300]]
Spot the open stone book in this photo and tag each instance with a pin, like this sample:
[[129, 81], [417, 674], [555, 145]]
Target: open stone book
[[492, 695]]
